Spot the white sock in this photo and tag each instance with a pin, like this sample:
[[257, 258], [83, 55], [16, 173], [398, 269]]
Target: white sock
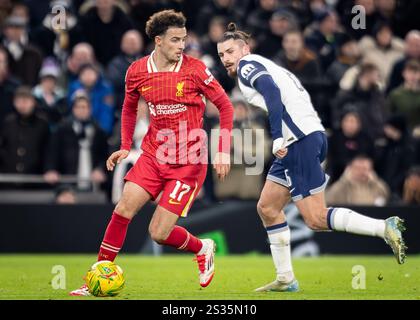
[[344, 219], [279, 236]]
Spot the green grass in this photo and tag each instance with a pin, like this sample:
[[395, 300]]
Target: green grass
[[175, 277]]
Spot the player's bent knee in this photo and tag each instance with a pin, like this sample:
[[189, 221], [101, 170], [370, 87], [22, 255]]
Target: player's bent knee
[[266, 211], [125, 210]]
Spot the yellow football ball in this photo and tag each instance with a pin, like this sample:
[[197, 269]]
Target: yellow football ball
[[105, 279]]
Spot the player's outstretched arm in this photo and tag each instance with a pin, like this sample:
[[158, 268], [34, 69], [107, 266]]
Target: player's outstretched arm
[[271, 94], [129, 108], [116, 157], [212, 90], [254, 75], [221, 163]]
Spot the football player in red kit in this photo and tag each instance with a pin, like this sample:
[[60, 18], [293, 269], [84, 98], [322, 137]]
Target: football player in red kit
[[173, 162]]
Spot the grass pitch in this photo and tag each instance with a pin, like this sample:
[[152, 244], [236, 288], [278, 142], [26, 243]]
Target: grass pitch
[[175, 277]]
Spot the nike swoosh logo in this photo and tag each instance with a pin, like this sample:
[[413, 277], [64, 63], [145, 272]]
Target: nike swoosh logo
[[144, 89], [172, 201]]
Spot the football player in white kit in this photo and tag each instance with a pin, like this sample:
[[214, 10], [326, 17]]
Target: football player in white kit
[[300, 146]]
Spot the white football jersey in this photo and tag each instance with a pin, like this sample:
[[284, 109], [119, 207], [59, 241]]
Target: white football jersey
[[299, 117]]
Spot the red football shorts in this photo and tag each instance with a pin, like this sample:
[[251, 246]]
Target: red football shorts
[[179, 184]]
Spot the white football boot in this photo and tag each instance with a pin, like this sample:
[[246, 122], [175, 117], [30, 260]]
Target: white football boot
[[82, 291], [206, 262]]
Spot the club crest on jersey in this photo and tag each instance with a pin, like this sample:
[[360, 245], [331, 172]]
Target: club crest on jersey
[[180, 89], [247, 70]]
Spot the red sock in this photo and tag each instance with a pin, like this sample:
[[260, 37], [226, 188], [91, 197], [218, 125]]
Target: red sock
[[114, 237], [183, 240]]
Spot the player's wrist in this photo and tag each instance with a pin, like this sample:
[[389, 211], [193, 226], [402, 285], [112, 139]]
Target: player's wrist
[[277, 144]]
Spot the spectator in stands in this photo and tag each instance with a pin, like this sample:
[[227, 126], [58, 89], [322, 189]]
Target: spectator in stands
[[57, 39], [211, 58], [8, 85], [257, 21], [325, 38], [359, 185], [412, 51], [406, 98], [396, 156], [82, 54], [65, 194], [348, 56], [215, 8], [347, 142], [78, 147], [22, 136], [50, 97], [24, 59], [21, 10], [325, 88], [382, 49], [243, 174], [131, 50], [216, 28], [299, 59], [140, 12], [37, 11], [406, 17], [366, 98], [103, 27], [100, 93], [386, 10], [411, 195], [269, 43], [5, 8]]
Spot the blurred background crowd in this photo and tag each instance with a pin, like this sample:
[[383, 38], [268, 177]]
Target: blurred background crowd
[[61, 90]]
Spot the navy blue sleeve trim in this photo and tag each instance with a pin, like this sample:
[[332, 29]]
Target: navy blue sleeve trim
[[266, 86]]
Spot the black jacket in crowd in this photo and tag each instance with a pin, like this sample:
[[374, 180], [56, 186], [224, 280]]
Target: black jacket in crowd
[[63, 149], [22, 144], [105, 38]]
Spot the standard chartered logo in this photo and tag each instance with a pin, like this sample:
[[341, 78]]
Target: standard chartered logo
[[165, 109]]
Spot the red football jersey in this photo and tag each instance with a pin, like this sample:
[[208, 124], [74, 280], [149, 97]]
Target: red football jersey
[[176, 101]]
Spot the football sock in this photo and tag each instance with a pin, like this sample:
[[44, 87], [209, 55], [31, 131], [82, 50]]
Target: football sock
[[279, 237], [183, 240], [343, 219], [114, 237]]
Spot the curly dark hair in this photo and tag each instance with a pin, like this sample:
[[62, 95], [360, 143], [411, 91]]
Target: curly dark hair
[[232, 32], [161, 21]]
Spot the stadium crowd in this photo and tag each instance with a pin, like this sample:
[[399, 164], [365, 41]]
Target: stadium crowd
[[62, 88]]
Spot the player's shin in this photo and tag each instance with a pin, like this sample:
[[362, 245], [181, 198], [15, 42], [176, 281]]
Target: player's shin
[[279, 236], [114, 237], [347, 220]]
